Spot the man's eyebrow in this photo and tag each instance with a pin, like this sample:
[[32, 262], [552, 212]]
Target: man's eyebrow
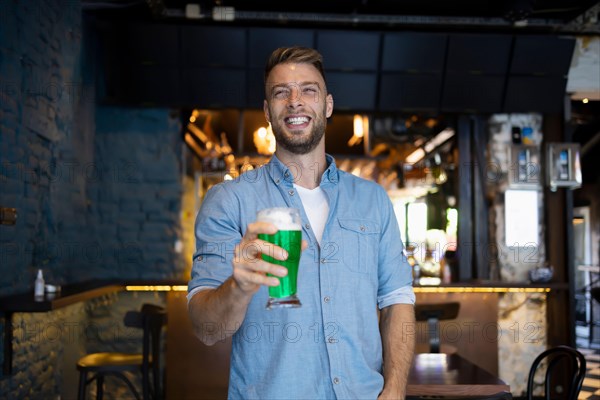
[[306, 83]]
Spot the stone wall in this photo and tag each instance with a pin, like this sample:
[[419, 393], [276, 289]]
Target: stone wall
[[97, 189], [521, 336], [515, 261]]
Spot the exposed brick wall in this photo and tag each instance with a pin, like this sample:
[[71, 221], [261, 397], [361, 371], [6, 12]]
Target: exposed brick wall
[[46, 135], [97, 189], [45, 346], [138, 200]]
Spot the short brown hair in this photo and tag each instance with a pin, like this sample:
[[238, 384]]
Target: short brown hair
[[297, 55]]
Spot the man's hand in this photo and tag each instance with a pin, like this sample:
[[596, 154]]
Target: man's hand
[[249, 269], [226, 305]]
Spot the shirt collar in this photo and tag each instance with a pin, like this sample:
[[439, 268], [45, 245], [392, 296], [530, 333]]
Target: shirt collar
[[281, 173]]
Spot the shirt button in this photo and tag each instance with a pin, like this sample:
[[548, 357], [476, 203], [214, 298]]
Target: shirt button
[[277, 181], [326, 299], [323, 261], [331, 340], [286, 174], [362, 228], [336, 380], [291, 192], [307, 226]]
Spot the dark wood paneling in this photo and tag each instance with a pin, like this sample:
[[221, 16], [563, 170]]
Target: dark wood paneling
[[193, 371], [465, 201], [558, 314], [478, 54], [414, 52], [472, 93], [153, 84], [535, 94], [409, 92], [151, 44], [349, 50], [476, 342], [215, 88], [352, 91], [213, 46], [542, 55], [480, 206], [262, 41]]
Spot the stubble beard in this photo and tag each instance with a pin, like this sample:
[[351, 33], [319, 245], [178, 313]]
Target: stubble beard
[[294, 142]]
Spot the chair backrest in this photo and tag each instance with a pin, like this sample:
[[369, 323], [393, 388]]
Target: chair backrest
[[565, 360], [151, 318], [433, 313]]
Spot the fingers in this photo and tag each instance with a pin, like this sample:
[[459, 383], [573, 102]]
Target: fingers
[[249, 269], [247, 278], [259, 227], [251, 250]]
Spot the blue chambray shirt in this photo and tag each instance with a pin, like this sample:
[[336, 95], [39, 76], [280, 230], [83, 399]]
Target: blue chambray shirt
[[331, 346]]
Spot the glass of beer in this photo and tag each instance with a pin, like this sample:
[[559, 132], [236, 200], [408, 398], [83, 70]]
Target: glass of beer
[[288, 237]]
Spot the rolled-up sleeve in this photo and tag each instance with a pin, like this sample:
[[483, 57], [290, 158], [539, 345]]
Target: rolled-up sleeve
[[217, 234], [394, 272]]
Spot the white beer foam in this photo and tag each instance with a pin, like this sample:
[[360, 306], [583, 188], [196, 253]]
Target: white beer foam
[[281, 217]]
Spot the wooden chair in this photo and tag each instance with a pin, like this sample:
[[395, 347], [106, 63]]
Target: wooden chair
[[433, 313], [570, 366], [151, 319]]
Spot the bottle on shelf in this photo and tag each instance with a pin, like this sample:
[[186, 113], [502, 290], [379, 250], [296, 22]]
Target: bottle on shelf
[[38, 288]]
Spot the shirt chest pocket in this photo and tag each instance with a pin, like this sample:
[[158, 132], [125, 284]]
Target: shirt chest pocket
[[359, 244]]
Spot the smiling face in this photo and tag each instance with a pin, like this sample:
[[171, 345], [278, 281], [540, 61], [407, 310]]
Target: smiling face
[[297, 106]]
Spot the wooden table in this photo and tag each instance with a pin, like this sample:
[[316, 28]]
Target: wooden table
[[450, 375]]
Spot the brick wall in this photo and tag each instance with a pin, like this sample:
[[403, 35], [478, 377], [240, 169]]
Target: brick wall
[[135, 205], [97, 189], [46, 134]]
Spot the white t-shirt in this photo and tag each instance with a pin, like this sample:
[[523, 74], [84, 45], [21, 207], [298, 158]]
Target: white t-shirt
[[316, 208]]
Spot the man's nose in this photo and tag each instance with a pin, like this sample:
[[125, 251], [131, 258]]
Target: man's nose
[[295, 97]]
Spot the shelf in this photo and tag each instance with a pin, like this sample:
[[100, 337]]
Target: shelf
[[69, 294]]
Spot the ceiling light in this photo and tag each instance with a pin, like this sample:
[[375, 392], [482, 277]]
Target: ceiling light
[[585, 101], [431, 145], [358, 126], [361, 129]]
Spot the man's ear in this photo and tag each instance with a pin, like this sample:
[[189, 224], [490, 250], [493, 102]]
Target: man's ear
[[266, 110], [329, 105]]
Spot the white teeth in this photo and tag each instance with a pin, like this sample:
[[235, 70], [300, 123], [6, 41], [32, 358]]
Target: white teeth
[[297, 120]]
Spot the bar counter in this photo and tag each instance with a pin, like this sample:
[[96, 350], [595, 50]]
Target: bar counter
[[474, 334]]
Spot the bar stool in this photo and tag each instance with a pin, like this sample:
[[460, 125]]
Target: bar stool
[[151, 319], [433, 313]]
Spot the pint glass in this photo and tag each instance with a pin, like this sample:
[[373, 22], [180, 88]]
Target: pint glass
[[288, 237]]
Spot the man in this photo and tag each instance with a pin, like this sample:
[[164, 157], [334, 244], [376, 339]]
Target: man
[[334, 346]]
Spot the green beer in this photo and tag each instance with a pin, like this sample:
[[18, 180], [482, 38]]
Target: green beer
[[289, 237]]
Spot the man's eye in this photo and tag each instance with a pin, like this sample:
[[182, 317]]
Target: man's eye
[[280, 93], [310, 90]]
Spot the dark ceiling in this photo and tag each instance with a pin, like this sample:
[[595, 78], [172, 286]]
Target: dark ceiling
[[573, 16], [552, 17]]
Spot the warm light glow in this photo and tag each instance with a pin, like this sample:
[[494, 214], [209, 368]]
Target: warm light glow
[[439, 139], [192, 119], [585, 101], [264, 140], [156, 288], [227, 177], [358, 126], [479, 290], [415, 156]]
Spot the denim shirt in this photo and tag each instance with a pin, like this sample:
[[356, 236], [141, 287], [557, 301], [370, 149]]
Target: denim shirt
[[331, 346]]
